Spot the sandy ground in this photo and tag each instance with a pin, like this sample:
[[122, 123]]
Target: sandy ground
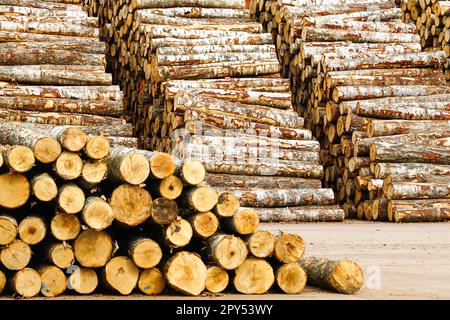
[[400, 261]]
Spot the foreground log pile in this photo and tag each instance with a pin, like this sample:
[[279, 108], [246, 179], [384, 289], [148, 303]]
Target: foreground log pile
[[81, 216], [52, 70], [202, 82], [378, 105], [432, 20]]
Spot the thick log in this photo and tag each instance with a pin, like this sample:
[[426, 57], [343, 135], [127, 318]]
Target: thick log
[[121, 275], [325, 34], [217, 279], [261, 114], [57, 118], [94, 107], [9, 229], [151, 282], [227, 204], [237, 124], [163, 211], [131, 205], [338, 62], [54, 281], [279, 100], [230, 4], [241, 39], [243, 222], [192, 172], [32, 230], [290, 278], [378, 128], [144, 252], [384, 77], [162, 165], [46, 149], [65, 227], [93, 249], [265, 198], [344, 276], [201, 199], [60, 254], [412, 112], [288, 248], [19, 159], [204, 224], [383, 170], [300, 170], [88, 46], [301, 214], [255, 84], [417, 190], [218, 70], [97, 92], [15, 190], [255, 142], [16, 255], [98, 147], [55, 75], [68, 166], [435, 210], [226, 251], [71, 198], [261, 244], [129, 168], [83, 280], [178, 234], [379, 209], [26, 283], [27, 56], [345, 93], [186, 273], [254, 276], [97, 213], [397, 152], [244, 181], [92, 174]]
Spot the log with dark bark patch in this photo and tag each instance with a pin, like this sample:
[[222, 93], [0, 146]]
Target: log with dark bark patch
[[344, 276]]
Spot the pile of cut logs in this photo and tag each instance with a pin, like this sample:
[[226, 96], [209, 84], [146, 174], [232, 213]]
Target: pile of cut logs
[[379, 106], [433, 24], [77, 212], [203, 83], [53, 70]]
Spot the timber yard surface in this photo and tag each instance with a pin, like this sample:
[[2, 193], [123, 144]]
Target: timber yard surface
[[413, 260]]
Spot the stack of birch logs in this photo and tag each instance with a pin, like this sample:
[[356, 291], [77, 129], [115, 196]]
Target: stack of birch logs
[[203, 83], [433, 23], [378, 105], [52, 70], [77, 212]]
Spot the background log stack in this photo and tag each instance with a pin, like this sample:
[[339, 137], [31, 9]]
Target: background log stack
[[366, 79], [203, 83], [432, 20], [53, 70], [76, 218]]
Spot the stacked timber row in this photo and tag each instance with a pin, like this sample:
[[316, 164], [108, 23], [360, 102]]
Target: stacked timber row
[[203, 82], [52, 70], [79, 215], [433, 23], [369, 88]]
